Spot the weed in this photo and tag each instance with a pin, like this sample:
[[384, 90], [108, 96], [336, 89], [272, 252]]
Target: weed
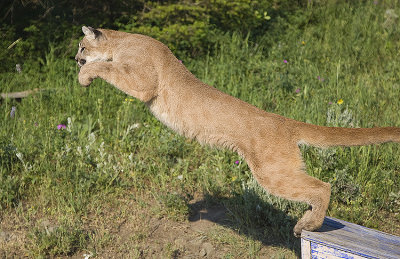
[[62, 240], [175, 206]]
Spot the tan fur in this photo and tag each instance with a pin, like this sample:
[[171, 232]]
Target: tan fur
[[146, 69]]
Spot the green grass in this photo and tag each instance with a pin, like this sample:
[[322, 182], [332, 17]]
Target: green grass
[[113, 150]]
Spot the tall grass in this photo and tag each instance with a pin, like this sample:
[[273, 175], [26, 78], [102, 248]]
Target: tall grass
[[112, 148], [347, 53]]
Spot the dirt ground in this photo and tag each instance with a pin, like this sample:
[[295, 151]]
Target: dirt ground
[[127, 228], [208, 233], [134, 228]]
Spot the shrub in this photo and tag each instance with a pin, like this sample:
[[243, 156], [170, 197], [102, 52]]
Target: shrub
[[189, 27]]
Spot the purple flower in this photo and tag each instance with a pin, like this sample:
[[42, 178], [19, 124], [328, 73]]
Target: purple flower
[[330, 103], [237, 162], [285, 61], [61, 126], [12, 112], [297, 90]]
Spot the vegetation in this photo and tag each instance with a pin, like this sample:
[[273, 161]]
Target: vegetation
[[90, 170]]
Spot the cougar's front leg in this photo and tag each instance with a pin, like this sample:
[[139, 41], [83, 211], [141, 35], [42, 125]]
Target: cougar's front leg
[[138, 81], [86, 74]]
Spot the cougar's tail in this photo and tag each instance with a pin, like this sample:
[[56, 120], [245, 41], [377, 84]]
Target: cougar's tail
[[321, 136]]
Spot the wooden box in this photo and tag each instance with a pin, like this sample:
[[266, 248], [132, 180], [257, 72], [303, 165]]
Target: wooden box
[[340, 239]]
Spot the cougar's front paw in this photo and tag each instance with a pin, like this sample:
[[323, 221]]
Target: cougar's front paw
[[85, 78], [297, 230]]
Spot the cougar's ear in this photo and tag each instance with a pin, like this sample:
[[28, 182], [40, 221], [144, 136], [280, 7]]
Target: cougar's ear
[[91, 33]]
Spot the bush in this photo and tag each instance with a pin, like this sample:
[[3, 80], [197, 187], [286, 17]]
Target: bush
[[189, 27]]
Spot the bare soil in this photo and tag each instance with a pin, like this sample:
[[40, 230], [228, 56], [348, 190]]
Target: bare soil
[[126, 228]]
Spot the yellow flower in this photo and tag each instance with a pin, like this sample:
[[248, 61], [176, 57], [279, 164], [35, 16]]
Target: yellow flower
[[340, 101], [234, 178], [303, 42]]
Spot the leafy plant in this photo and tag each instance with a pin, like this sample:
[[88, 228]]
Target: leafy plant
[[57, 241]]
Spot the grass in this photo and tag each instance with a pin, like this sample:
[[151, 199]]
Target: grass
[[69, 191]]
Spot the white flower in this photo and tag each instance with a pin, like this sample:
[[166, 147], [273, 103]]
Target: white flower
[[18, 68], [101, 150], [131, 157], [69, 127], [20, 156], [91, 138], [79, 150], [67, 148]]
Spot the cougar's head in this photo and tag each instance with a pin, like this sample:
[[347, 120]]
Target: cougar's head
[[93, 47]]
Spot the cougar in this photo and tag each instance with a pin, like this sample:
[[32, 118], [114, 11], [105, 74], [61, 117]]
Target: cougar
[[146, 69]]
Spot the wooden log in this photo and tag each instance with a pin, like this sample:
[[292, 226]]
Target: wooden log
[[340, 239], [18, 95]]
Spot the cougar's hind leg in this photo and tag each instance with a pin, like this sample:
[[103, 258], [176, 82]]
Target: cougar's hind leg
[[282, 173]]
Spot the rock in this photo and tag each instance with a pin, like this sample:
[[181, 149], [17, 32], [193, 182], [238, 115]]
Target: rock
[[48, 226], [208, 248], [180, 242], [203, 252], [4, 237]]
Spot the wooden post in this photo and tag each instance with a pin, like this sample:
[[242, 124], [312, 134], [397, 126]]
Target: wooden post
[[340, 239]]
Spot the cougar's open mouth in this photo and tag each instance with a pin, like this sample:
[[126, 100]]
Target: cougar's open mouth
[[81, 62]]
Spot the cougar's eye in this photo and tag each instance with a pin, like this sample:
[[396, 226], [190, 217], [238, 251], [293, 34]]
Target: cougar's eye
[[82, 49]]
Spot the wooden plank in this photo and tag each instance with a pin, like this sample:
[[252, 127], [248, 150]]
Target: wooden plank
[[305, 249], [325, 252], [18, 95], [354, 239]]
